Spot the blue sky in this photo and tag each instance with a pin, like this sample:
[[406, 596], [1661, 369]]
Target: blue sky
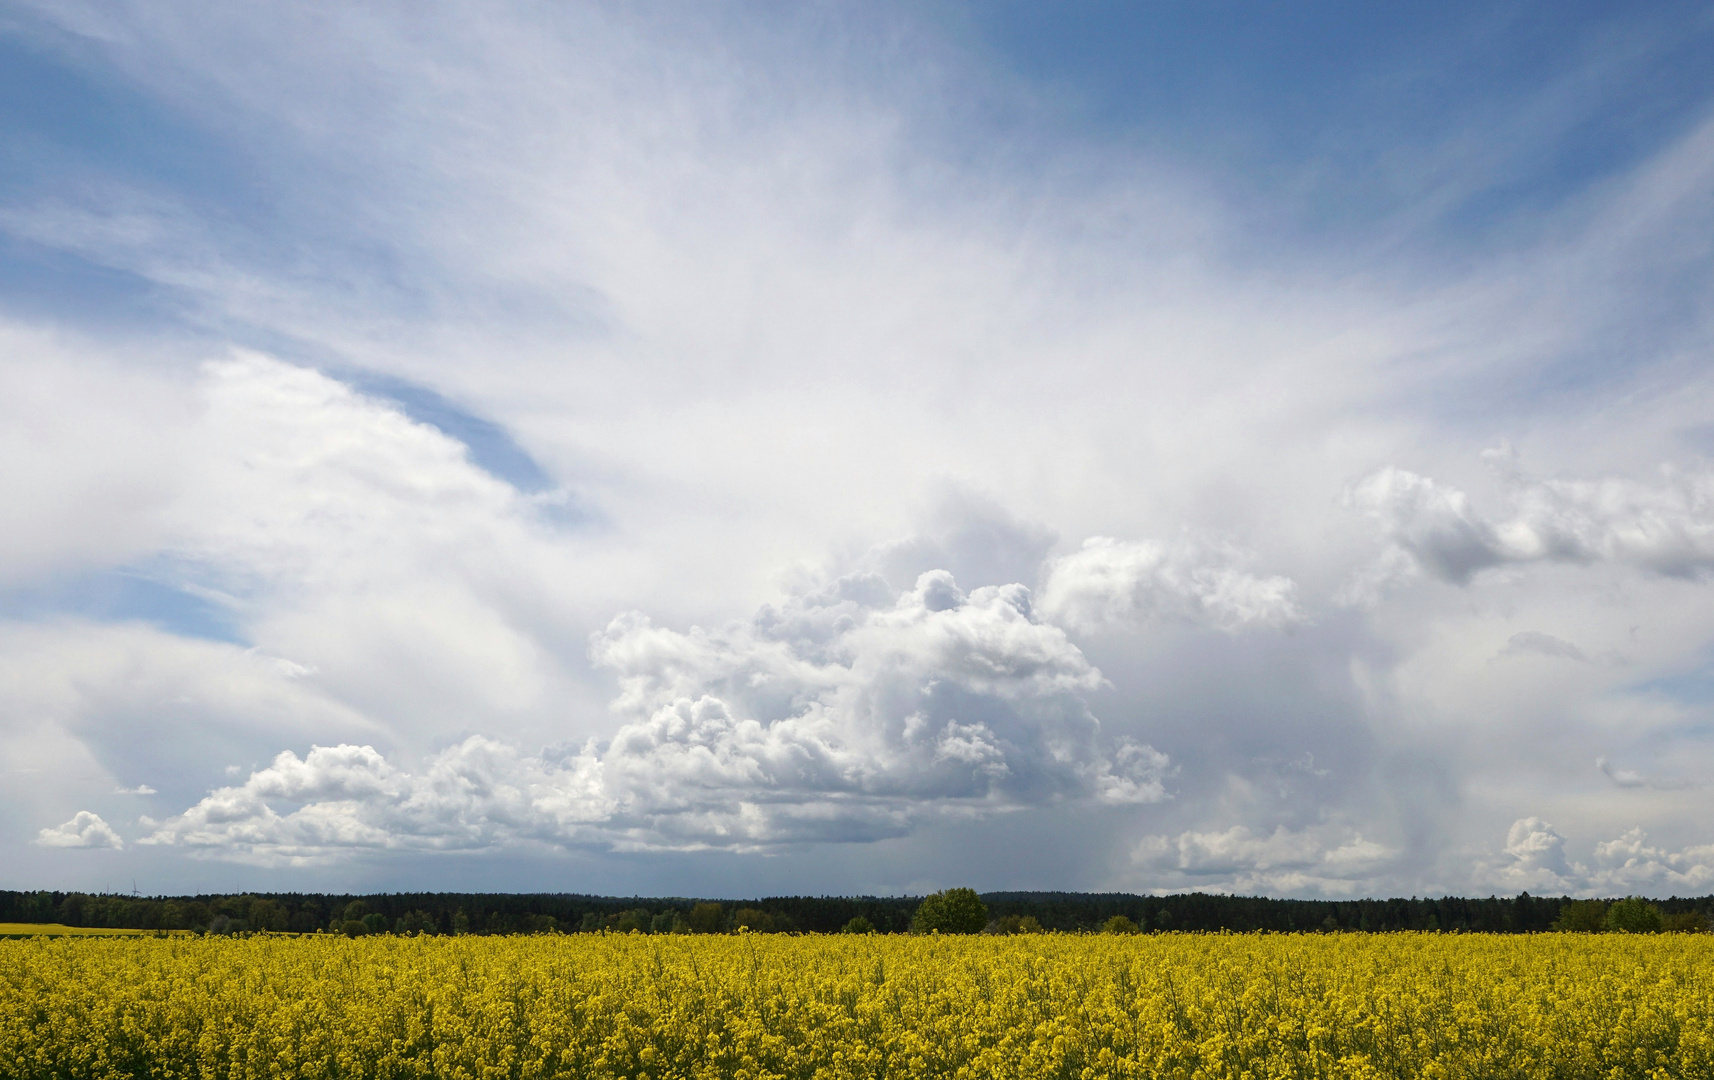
[[722, 449], [1277, 87]]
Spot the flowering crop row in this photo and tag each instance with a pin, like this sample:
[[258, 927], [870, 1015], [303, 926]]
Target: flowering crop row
[[1196, 1007]]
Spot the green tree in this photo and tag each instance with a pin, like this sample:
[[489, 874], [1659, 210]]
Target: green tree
[[267, 915], [1582, 917], [858, 925], [1118, 924], [1685, 922], [753, 919], [415, 922], [72, 909], [954, 911], [1634, 915], [706, 918]]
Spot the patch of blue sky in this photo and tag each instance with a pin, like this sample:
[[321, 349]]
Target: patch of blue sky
[[1353, 112], [65, 118], [126, 595], [77, 132], [37, 281], [491, 446], [73, 132], [1694, 687]]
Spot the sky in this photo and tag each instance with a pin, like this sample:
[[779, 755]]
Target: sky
[[740, 449]]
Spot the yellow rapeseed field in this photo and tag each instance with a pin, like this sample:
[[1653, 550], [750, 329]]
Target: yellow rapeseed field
[[753, 1007], [16, 929]]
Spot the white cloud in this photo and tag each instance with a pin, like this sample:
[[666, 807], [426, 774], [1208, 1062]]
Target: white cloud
[[86, 830], [92, 450], [1334, 860], [1665, 528], [840, 716], [1112, 583], [1326, 859], [140, 789], [1630, 864], [364, 554], [1536, 846], [347, 799], [1534, 858], [133, 699]]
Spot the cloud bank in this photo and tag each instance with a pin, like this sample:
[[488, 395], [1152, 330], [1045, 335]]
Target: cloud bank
[[1534, 859], [843, 716]]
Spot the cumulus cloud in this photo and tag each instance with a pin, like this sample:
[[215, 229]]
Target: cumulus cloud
[[127, 700], [1630, 864], [1326, 859], [967, 533], [86, 830], [349, 799], [1338, 860], [1113, 583], [1665, 528], [1536, 847], [1534, 858], [140, 789], [846, 714]]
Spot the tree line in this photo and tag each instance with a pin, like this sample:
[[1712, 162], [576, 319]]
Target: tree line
[[953, 911]]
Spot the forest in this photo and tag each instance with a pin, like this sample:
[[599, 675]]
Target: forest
[[525, 913]]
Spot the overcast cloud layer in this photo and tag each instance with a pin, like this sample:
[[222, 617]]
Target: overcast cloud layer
[[726, 450]]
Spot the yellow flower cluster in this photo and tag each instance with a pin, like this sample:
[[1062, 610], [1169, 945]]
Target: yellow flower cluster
[[1189, 1007]]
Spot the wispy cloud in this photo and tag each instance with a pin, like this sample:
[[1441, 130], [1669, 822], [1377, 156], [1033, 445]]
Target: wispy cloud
[[1536, 643], [1632, 778]]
